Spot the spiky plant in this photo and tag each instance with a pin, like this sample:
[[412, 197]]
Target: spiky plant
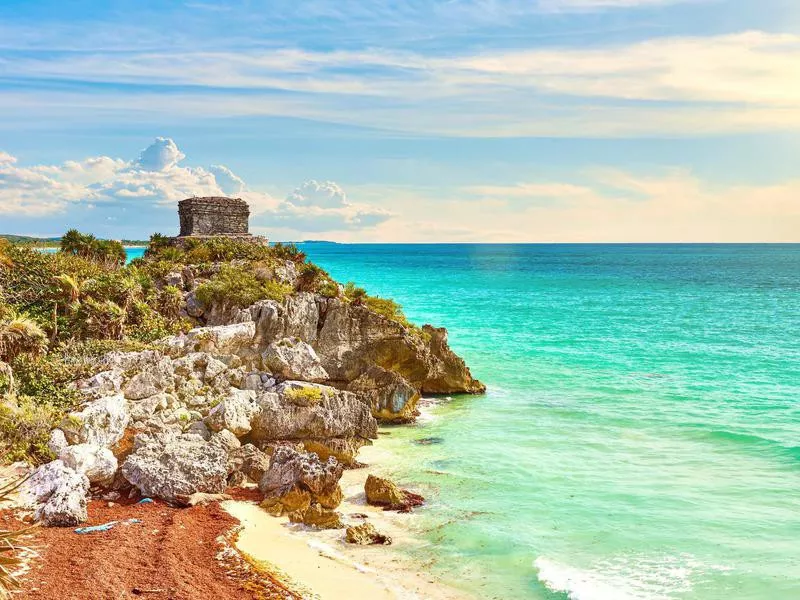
[[70, 288], [10, 550], [20, 335]]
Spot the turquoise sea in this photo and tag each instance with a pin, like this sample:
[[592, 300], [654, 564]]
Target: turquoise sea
[[640, 439], [641, 434]]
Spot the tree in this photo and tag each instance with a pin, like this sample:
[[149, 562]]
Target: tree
[[20, 335]]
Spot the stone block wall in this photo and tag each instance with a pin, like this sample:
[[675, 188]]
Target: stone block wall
[[213, 216]]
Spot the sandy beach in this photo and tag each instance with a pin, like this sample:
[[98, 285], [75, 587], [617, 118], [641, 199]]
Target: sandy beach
[[321, 564]]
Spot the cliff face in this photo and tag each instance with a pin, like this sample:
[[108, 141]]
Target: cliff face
[[351, 340], [208, 408]]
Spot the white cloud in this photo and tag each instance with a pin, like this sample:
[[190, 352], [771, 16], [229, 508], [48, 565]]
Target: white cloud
[[323, 206], [228, 181], [161, 155], [157, 178], [323, 194]]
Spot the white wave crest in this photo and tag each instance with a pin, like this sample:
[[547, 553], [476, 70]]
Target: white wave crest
[[625, 578]]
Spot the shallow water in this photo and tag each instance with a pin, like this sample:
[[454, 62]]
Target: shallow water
[[641, 434]]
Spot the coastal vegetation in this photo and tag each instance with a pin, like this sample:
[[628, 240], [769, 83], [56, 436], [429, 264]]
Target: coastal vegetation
[[60, 311]]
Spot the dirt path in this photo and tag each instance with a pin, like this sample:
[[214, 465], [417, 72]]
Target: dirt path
[[173, 554]]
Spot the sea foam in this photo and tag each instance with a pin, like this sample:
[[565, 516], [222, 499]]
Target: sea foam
[[628, 578]]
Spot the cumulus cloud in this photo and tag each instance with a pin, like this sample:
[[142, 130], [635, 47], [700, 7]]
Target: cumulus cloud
[[323, 206], [323, 194], [157, 178], [161, 155], [227, 180]]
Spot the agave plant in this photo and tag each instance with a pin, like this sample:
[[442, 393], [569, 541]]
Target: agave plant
[[10, 550], [20, 335]]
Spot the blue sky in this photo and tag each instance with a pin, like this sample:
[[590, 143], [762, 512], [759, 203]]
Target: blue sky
[[458, 120]]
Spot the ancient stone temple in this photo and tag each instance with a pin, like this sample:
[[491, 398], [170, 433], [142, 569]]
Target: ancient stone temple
[[214, 215]]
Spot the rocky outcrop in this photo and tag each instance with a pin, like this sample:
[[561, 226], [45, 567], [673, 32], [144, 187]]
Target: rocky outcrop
[[382, 492], [305, 379], [101, 422], [300, 485], [234, 413], [58, 494], [291, 358], [298, 411], [391, 398], [365, 535], [168, 467], [317, 516], [97, 463]]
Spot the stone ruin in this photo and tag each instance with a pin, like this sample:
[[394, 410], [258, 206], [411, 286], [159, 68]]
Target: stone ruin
[[214, 216]]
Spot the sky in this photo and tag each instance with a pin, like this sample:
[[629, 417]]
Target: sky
[[414, 121]]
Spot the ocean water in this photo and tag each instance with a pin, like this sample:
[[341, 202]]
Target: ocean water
[[640, 438]]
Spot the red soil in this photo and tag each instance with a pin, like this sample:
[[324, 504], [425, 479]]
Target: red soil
[[171, 555]]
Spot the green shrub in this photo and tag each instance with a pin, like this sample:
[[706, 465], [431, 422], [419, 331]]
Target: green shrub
[[46, 380], [145, 324], [239, 286], [311, 278], [388, 308], [288, 252], [304, 396], [354, 294], [329, 289], [25, 430], [108, 252], [170, 302]]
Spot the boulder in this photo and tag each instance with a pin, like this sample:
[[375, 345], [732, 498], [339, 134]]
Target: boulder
[[365, 535], [222, 339], [144, 373], [58, 493], [391, 398], [141, 410], [233, 413], [345, 450], [291, 358], [97, 463], [200, 365], [289, 468], [251, 461], [226, 441], [382, 492], [194, 308], [303, 411], [169, 467], [317, 516], [101, 422], [57, 442], [174, 278], [105, 383], [295, 500]]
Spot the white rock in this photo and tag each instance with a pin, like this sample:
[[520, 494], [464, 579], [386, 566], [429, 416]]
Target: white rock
[[222, 339], [97, 463], [292, 358], [58, 493], [57, 442], [226, 440], [233, 413], [105, 383], [166, 468], [101, 422]]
